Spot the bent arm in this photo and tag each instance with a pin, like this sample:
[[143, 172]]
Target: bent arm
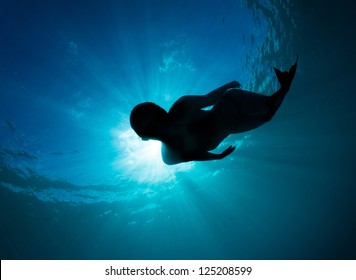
[[214, 96], [210, 156], [202, 101], [171, 157]]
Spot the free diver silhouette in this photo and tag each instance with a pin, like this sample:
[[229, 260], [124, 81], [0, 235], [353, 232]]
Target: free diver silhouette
[[189, 133]]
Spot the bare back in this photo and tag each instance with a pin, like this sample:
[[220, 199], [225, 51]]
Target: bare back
[[194, 129]]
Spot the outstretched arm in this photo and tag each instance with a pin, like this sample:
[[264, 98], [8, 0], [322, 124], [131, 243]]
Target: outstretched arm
[[202, 101]]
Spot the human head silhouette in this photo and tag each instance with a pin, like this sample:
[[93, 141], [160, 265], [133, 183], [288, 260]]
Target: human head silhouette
[[146, 120]]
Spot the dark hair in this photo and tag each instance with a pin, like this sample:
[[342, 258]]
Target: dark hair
[[144, 118]]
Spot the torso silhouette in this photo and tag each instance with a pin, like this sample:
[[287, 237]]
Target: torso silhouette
[[193, 131]]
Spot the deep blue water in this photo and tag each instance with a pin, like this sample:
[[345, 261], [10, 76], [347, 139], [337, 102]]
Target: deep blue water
[[77, 183]]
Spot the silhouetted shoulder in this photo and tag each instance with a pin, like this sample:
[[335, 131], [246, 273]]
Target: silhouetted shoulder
[[169, 156], [181, 106]]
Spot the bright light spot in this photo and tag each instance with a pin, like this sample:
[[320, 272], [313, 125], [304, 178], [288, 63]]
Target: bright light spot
[[141, 161]]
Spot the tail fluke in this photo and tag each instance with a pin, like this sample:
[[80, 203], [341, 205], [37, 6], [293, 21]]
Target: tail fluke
[[286, 78]]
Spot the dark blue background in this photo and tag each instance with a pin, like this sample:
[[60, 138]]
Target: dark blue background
[[70, 71]]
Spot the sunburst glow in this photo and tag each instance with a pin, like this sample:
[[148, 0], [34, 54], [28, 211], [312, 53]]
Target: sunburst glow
[[141, 161]]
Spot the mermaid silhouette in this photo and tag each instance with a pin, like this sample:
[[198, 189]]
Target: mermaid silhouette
[[189, 133]]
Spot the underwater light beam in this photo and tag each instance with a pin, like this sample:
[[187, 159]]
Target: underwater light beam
[[140, 161]]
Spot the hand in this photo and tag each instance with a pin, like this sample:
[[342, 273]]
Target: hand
[[227, 152]]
